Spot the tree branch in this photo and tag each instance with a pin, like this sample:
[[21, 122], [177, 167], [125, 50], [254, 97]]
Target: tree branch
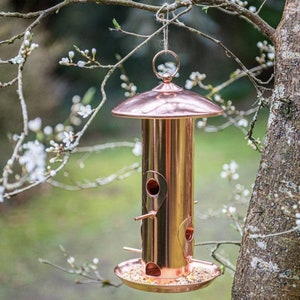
[[250, 16]]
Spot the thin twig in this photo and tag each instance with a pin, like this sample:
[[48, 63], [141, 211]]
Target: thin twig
[[221, 259], [237, 243], [263, 236], [106, 146], [143, 36], [91, 279], [120, 175], [261, 6]]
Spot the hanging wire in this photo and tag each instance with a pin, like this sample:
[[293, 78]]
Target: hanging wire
[[164, 18], [166, 29]]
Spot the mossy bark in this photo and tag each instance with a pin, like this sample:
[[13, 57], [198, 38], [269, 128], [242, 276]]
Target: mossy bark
[[268, 266]]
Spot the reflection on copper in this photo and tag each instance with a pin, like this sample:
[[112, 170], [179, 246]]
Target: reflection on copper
[[167, 100], [167, 219]]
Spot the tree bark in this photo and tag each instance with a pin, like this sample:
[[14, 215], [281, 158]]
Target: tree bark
[[268, 266]]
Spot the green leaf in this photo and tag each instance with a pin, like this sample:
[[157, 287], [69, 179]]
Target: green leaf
[[222, 269], [205, 9], [116, 24], [89, 95]]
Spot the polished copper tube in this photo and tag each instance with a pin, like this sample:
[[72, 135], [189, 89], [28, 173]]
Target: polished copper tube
[[167, 239]]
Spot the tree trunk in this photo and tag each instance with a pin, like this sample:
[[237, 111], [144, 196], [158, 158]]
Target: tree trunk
[[269, 263]]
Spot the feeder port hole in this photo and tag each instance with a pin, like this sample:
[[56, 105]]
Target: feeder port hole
[[152, 269], [189, 233], [152, 187]]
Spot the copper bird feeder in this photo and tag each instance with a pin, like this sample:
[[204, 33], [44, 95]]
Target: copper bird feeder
[[167, 230]]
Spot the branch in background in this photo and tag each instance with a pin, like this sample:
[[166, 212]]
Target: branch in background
[[89, 270], [97, 148], [221, 259], [228, 52], [237, 243], [217, 256], [252, 17], [120, 175]]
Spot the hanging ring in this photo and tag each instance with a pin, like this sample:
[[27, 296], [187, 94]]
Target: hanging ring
[[166, 77]]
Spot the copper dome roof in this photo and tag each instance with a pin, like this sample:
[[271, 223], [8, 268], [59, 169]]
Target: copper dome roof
[[165, 101]]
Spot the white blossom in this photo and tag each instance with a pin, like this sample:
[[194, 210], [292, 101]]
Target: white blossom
[[252, 8], [35, 124], [217, 98], [80, 64], [189, 84], [230, 171], [202, 123], [246, 192], [137, 149], [123, 77], [19, 59], [197, 76], [64, 61], [224, 210], [71, 55], [242, 123], [71, 260], [271, 55], [84, 111], [167, 67], [260, 45], [33, 46], [48, 130], [194, 79], [95, 260], [133, 88], [34, 160], [54, 147], [52, 173], [68, 139], [76, 99], [59, 127], [254, 144], [1, 193], [231, 209], [27, 34]]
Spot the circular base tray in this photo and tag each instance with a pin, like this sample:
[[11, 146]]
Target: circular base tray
[[131, 272]]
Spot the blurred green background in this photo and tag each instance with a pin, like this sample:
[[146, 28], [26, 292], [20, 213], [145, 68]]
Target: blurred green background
[[99, 222]]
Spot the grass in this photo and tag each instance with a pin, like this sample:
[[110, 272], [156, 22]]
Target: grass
[[99, 222]]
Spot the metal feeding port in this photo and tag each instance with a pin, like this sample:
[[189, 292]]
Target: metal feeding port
[[167, 220]]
